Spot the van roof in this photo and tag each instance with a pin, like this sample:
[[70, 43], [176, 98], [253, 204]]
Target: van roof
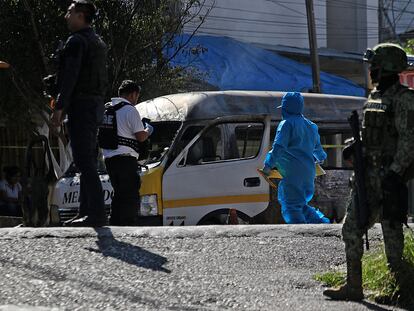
[[320, 108]]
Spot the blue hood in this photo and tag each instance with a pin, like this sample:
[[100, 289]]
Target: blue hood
[[292, 104]]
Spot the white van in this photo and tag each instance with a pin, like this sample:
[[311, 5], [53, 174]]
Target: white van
[[206, 148]]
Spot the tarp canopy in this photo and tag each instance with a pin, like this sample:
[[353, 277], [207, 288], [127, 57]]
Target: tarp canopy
[[233, 65]]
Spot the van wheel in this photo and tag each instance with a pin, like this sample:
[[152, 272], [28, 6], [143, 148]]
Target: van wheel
[[222, 218]]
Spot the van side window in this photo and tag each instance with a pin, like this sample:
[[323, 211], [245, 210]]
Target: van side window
[[207, 148], [249, 139], [226, 141]]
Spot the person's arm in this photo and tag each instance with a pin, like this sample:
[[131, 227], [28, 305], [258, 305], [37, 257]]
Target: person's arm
[[280, 144], [318, 153], [68, 75], [141, 135], [404, 122]]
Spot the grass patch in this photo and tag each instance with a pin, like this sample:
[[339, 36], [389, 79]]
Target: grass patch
[[332, 278], [380, 284]]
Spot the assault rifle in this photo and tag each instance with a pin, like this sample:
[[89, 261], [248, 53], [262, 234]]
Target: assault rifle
[[362, 211]]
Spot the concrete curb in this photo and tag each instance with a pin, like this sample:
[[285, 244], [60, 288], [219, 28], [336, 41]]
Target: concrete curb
[[279, 231]]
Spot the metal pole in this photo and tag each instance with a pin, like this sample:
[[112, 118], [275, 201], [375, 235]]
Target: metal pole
[[313, 47], [380, 20]]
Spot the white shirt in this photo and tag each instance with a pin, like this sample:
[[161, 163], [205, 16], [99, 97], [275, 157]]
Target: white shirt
[[128, 123], [12, 192]]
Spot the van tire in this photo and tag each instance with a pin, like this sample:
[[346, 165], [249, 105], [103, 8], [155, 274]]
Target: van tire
[[219, 217]]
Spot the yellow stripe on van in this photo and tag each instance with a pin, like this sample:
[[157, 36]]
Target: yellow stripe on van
[[234, 199]]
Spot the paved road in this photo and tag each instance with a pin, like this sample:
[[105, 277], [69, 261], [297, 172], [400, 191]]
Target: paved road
[[181, 268]]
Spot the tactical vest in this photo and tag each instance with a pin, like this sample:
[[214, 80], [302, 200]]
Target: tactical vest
[[379, 134], [108, 137], [93, 75]]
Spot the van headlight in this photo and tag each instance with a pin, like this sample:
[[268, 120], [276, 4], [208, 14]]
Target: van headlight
[[149, 206]]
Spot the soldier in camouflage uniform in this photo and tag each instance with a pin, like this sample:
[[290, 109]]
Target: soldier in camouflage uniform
[[388, 144]]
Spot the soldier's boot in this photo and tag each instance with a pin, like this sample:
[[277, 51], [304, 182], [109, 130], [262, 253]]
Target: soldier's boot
[[352, 290]]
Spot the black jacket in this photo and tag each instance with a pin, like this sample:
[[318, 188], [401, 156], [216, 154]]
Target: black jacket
[[82, 70]]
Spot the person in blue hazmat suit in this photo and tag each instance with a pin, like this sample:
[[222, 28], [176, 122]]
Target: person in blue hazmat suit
[[295, 150]]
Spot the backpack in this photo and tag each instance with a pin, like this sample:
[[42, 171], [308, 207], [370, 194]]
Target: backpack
[[108, 137], [108, 130]]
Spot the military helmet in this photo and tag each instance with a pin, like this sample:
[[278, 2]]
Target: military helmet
[[390, 57]]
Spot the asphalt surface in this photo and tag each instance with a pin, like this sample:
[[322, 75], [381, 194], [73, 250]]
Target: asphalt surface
[[171, 268]]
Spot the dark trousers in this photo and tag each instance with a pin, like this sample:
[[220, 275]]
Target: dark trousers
[[124, 175], [84, 118], [10, 209]]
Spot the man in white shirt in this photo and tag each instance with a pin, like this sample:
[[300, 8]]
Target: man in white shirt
[[121, 162]]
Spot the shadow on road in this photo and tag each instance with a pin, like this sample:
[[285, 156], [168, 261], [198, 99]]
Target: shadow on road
[[48, 272], [374, 307], [108, 246]]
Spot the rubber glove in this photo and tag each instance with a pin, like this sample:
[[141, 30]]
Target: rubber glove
[[149, 128]]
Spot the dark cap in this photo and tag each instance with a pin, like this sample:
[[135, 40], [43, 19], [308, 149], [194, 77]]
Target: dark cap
[[127, 87]]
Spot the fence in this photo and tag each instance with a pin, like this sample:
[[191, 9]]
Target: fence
[[13, 142]]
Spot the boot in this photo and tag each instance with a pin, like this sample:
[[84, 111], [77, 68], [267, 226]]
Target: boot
[[352, 290]]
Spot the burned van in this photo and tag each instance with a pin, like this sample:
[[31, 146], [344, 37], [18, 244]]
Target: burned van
[[207, 146]]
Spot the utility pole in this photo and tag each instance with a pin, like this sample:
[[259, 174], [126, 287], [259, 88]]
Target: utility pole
[[313, 47], [380, 20]]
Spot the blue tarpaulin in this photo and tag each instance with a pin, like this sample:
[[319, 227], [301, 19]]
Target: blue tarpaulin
[[233, 65]]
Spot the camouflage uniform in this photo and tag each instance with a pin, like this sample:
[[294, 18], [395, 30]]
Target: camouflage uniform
[[388, 139]]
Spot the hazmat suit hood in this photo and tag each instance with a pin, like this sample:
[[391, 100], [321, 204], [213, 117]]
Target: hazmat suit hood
[[292, 104]]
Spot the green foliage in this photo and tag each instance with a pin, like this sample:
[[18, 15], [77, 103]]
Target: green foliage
[[409, 47], [379, 282], [135, 31], [376, 275], [332, 278]]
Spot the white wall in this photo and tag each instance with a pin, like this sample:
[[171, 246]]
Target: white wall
[[352, 24], [267, 22]]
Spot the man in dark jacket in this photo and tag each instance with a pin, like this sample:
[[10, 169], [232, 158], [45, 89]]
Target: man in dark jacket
[[81, 87]]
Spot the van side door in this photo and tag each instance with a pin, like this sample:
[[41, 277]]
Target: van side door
[[217, 171]]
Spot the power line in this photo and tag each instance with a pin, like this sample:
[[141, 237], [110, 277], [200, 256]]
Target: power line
[[345, 5], [285, 24], [270, 22], [296, 35]]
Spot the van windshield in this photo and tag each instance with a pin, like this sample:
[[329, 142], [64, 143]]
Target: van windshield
[[161, 139]]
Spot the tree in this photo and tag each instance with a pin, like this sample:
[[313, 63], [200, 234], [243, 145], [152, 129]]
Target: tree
[[136, 32], [409, 46]]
